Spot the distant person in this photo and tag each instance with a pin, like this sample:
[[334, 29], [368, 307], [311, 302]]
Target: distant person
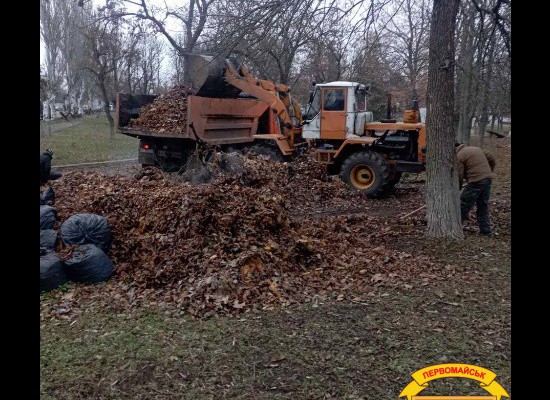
[[46, 173], [476, 166]]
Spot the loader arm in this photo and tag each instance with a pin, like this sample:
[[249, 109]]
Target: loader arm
[[276, 95], [226, 78]]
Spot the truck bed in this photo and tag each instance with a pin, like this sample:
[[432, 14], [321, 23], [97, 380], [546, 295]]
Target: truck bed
[[211, 120], [128, 106]]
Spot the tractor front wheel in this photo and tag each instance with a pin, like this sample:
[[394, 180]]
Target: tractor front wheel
[[366, 171]]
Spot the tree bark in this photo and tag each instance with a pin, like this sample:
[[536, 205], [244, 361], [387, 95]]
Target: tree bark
[[107, 109], [484, 120], [442, 193], [465, 101]]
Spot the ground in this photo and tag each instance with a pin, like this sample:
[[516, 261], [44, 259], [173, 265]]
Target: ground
[[341, 346]]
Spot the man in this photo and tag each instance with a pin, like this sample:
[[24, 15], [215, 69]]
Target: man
[[46, 167], [476, 166]]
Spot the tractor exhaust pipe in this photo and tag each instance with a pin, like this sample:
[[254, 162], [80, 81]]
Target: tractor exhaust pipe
[[388, 112]]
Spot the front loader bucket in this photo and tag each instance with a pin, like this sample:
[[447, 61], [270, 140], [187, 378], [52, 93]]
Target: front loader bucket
[[207, 77]]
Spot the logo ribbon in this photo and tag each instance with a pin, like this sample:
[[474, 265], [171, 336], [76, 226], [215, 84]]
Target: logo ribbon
[[425, 375]]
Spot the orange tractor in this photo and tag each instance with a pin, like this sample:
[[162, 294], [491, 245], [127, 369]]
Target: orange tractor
[[233, 110]]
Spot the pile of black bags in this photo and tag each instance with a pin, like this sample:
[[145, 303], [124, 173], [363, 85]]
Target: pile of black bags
[[88, 262]]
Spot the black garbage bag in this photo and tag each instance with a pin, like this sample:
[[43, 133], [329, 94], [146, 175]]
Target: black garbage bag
[[48, 238], [88, 264], [52, 273], [45, 166], [47, 197], [86, 229], [55, 175], [48, 216]]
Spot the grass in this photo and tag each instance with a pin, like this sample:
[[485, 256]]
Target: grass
[[86, 141]]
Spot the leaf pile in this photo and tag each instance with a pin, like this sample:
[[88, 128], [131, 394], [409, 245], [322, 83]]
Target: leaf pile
[[166, 114], [233, 244]]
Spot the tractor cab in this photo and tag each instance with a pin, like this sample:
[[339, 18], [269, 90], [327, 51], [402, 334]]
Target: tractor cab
[[336, 110]]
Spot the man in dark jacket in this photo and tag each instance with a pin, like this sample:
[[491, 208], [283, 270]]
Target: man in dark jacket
[[46, 173], [45, 166], [476, 166]]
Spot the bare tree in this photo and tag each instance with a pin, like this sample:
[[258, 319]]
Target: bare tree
[[51, 22], [443, 206], [104, 50], [408, 40], [466, 73], [142, 61], [193, 17], [484, 24]]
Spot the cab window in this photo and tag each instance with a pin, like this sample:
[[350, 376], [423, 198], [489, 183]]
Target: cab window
[[334, 100], [360, 100], [314, 106]]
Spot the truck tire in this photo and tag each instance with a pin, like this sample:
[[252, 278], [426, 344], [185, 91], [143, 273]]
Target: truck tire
[[366, 171]]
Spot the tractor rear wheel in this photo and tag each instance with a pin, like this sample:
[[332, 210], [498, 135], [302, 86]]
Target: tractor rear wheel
[[366, 171]]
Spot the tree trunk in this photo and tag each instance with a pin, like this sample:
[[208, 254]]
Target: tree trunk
[[186, 74], [107, 110], [466, 82], [484, 120], [442, 194]]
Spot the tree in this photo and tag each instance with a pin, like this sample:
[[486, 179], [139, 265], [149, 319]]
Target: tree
[[193, 17], [104, 50], [407, 42], [442, 192], [51, 22], [483, 27]]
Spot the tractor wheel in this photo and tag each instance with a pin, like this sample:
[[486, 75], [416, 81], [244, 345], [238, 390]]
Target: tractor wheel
[[270, 152], [365, 171]]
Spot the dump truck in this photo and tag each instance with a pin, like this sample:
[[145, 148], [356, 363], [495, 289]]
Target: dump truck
[[233, 110]]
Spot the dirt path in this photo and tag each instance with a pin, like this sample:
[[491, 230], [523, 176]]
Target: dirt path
[[48, 128], [110, 168]]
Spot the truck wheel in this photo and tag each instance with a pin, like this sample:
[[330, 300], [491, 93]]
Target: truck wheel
[[365, 171], [169, 164]]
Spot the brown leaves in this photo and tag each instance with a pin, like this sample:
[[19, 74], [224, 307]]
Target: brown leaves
[[166, 114], [272, 235]]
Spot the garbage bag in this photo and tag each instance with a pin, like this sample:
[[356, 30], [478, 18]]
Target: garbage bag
[[88, 264], [48, 196], [48, 237], [52, 274], [45, 166], [86, 229], [55, 175], [48, 216]]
